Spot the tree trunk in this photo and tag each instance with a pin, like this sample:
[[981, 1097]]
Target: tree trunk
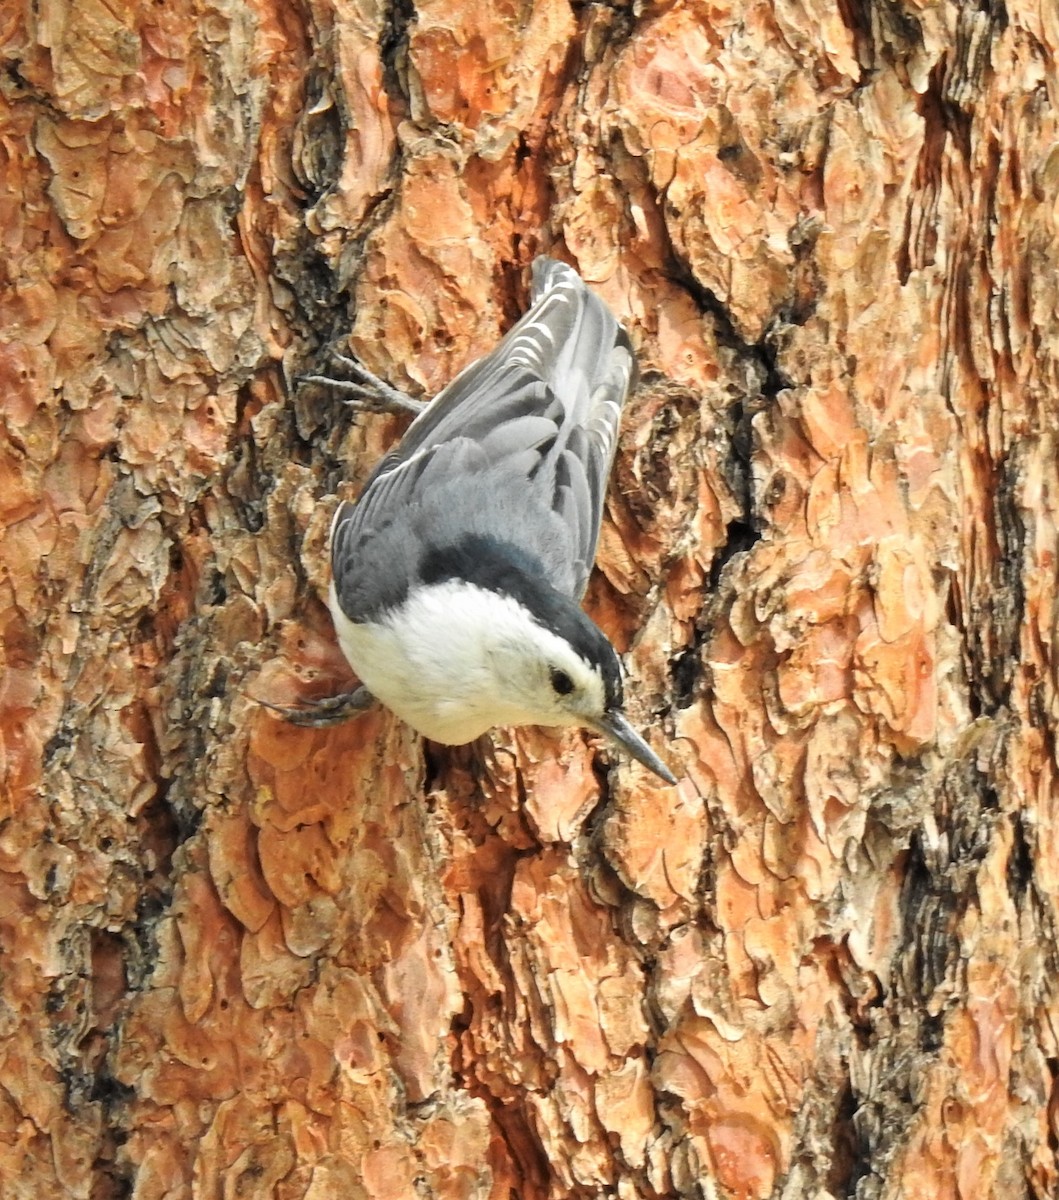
[[247, 959]]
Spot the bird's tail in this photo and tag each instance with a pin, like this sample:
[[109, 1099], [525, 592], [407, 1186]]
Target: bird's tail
[[575, 341]]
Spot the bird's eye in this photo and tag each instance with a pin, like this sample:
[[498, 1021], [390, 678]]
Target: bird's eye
[[562, 682]]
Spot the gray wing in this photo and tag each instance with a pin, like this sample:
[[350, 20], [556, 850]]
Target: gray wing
[[518, 446]]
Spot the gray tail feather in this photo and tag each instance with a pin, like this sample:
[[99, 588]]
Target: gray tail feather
[[575, 341]]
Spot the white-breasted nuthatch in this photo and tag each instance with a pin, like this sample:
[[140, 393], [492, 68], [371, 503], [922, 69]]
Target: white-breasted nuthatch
[[458, 573]]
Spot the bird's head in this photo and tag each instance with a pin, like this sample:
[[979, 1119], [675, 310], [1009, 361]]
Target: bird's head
[[497, 644], [566, 672]]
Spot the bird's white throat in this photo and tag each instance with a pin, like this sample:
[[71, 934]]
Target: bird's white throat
[[454, 659]]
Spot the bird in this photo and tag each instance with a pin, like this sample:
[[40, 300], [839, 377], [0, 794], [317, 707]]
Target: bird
[[458, 573]]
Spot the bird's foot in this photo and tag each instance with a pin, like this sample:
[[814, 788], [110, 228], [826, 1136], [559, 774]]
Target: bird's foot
[[365, 391], [333, 710]]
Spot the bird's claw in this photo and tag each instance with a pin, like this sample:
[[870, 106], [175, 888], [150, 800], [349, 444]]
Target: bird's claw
[[365, 390], [321, 713]]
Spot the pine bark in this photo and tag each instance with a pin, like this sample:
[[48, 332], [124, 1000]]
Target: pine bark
[[247, 959]]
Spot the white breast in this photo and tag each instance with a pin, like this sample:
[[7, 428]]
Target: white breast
[[451, 660]]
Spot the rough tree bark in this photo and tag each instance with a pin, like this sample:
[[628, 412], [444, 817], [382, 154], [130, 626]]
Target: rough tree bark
[[243, 959]]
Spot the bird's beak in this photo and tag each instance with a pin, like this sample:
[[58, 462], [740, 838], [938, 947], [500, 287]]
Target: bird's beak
[[616, 726]]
